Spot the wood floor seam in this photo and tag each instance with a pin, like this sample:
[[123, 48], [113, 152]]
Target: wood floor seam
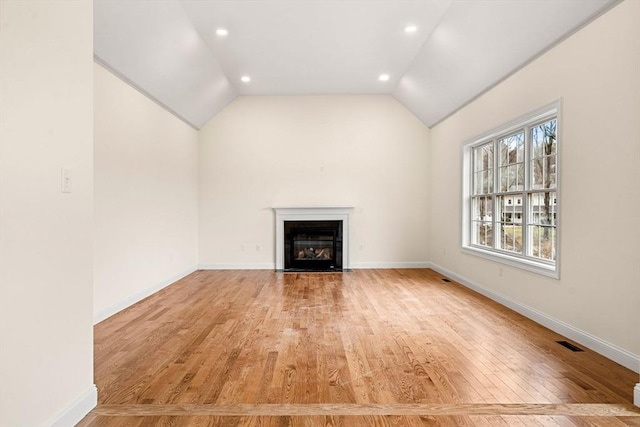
[[332, 409]]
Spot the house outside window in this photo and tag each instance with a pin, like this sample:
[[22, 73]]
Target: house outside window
[[511, 193]]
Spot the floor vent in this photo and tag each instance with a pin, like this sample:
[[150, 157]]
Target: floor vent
[[569, 346], [446, 280]]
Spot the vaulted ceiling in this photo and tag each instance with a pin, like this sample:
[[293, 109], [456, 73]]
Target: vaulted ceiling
[[437, 55]]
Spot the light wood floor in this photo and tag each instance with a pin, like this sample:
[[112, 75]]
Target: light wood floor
[[364, 348]]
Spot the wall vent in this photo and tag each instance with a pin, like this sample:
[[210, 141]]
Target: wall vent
[[569, 346]]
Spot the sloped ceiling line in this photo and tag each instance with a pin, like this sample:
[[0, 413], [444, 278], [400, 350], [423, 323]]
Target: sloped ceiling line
[[169, 51], [134, 85]]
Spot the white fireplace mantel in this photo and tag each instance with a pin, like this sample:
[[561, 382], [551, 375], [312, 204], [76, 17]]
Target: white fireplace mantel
[[312, 214]]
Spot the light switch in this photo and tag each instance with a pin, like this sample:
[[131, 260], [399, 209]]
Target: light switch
[[66, 180]]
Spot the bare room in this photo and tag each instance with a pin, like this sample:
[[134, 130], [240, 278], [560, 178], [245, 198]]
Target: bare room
[[319, 213]]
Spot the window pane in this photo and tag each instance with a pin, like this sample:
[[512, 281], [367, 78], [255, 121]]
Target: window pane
[[544, 147], [543, 218], [482, 217], [482, 208], [487, 182], [512, 178], [483, 157], [543, 242], [511, 238], [483, 169], [511, 162], [504, 178], [542, 208], [509, 209], [482, 182], [512, 149], [509, 216], [477, 183], [520, 177], [482, 233]]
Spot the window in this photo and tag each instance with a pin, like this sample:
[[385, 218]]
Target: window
[[511, 202]]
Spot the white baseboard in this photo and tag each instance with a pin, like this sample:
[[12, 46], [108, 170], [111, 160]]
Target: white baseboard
[[608, 350], [239, 266], [127, 302], [365, 265], [636, 395], [272, 266], [77, 410]]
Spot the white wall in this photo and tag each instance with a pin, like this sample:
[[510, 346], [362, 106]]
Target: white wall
[[596, 72], [146, 196], [46, 355], [368, 152]]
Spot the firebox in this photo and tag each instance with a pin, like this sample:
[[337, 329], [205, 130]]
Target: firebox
[[313, 245]]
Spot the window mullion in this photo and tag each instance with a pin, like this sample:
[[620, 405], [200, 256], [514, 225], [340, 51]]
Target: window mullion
[[526, 231], [472, 191], [494, 192]]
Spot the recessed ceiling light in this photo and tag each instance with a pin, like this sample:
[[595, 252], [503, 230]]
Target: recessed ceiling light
[[245, 79], [383, 77], [410, 29], [222, 32]]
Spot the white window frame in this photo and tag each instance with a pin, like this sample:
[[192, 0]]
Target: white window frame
[[522, 261]]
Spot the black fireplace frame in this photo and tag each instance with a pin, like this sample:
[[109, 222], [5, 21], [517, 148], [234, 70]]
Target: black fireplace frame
[[320, 228]]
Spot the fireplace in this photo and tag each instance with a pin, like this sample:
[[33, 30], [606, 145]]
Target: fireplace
[[313, 246], [312, 239]]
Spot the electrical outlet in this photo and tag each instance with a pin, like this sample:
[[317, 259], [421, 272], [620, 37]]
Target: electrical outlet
[[243, 248], [258, 247]]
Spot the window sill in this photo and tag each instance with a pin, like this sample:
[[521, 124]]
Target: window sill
[[529, 265]]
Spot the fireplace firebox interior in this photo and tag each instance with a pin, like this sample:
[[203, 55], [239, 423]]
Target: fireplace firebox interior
[[313, 246]]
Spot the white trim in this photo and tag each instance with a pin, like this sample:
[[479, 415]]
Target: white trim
[[271, 266], [127, 302], [411, 264], [77, 410], [320, 213], [522, 263], [238, 266], [537, 115], [636, 395], [608, 350]]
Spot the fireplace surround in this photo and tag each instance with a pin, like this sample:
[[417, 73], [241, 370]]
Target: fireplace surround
[[312, 238]]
